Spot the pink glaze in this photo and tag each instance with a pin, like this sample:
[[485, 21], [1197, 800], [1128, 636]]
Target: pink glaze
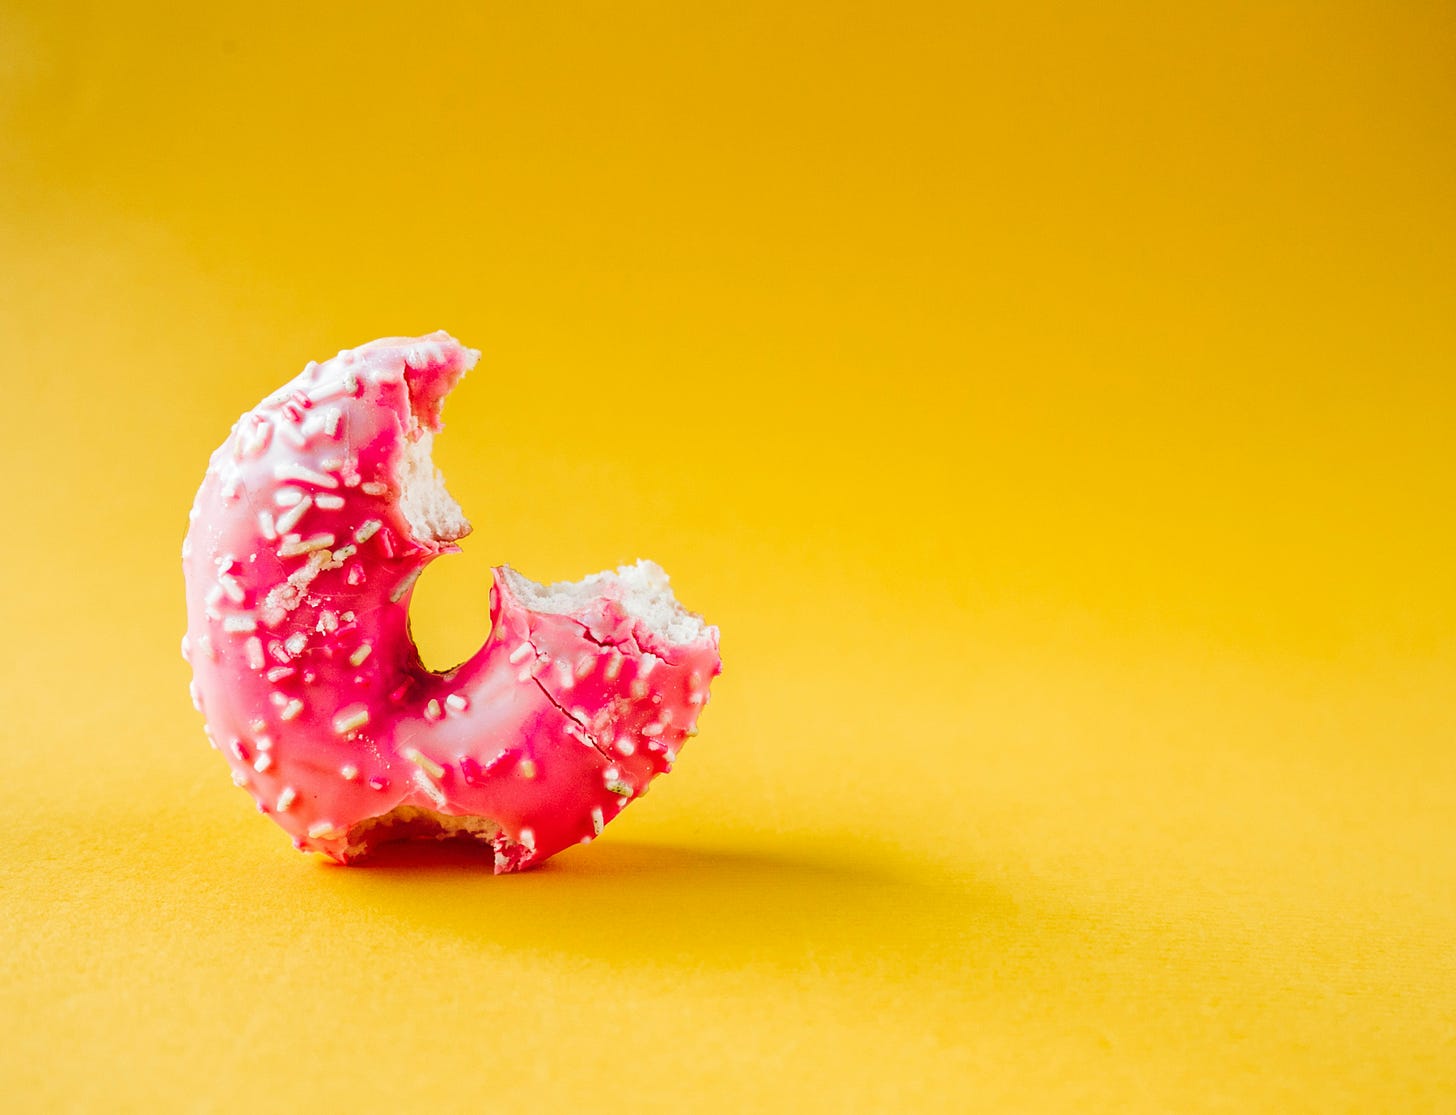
[[299, 566]]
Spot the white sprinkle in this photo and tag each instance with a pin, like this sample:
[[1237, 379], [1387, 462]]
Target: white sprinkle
[[563, 674], [332, 420], [278, 673], [360, 654], [349, 772], [648, 663], [373, 488], [289, 519], [404, 586], [320, 830], [278, 699], [520, 652], [585, 666], [286, 799], [598, 821], [328, 622], [614, 666], [525, 673], [424, 762], [432, 710], [457, 702], [195, 695], [253, 648], [526, 768], [670, 755], [433, 792], [346, 720], [295, 643], [329, 503], [214, 596], [239, 625], [625, 746], [205, 642], [367, 531], [611, 774], [638, 688], [291, 709], [267, 527], [344, 553], [289, 497], [262, 763], [297, 546], [257, 725], [263, 743], [528, 840], [231, 587], [295, 435], [329, 391], [256, 439], [293, 470], [652, 730], [620, 788], [239, 778]]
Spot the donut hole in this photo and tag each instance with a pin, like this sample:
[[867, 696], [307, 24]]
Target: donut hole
[[449, 611], [444, 633]]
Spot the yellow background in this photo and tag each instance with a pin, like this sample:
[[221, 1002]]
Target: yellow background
[[1052, 403]]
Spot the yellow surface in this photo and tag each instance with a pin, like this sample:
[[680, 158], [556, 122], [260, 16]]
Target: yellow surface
[[1054, 405]]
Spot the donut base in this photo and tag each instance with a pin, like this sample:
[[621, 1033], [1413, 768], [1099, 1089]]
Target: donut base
[[415, 823]]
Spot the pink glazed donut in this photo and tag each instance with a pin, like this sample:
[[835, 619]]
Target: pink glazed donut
[[313, 522]]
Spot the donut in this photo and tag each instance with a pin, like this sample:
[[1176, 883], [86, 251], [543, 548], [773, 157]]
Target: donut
[[314, 521]]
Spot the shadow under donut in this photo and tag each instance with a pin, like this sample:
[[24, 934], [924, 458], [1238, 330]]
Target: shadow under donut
[[694, 906]]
